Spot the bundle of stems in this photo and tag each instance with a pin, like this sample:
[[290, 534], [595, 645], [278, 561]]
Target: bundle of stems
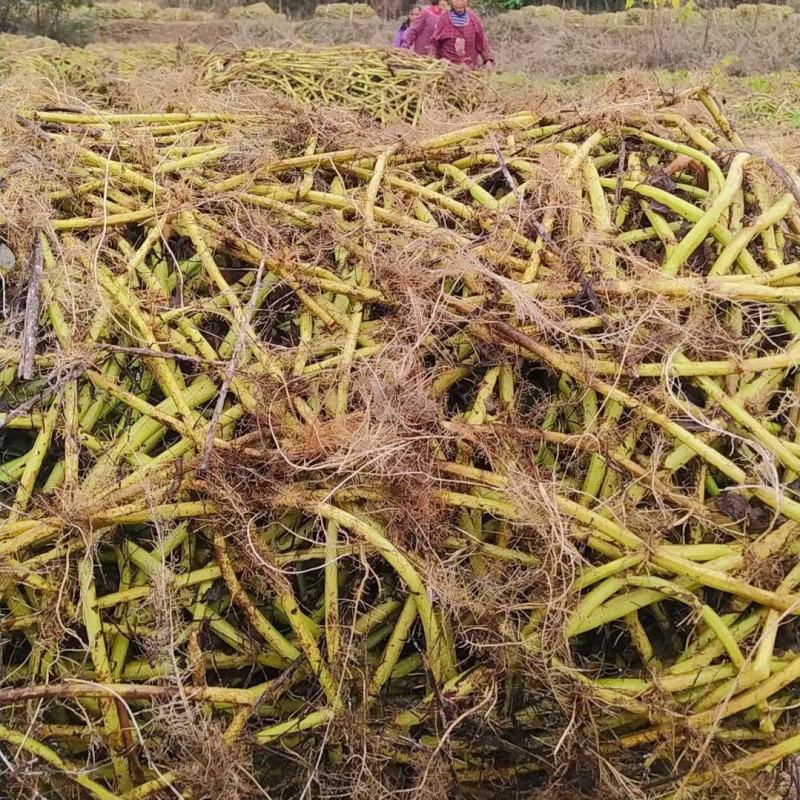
[[472, 458], [386, 84], [98, 70]]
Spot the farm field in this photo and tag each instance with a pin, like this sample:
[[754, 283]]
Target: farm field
[[371, 427]]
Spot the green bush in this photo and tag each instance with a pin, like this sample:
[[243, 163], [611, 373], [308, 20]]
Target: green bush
[[41, 17]]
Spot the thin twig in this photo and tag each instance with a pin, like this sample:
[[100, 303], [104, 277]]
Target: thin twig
[[244, 323], [537, 226], [512, 184], [32, 304], [27, 405]]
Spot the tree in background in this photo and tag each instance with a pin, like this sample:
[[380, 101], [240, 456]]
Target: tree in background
[[34, 16]]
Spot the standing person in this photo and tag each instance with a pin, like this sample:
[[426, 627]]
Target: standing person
[[459, 37], [419, 33], [400, 36]]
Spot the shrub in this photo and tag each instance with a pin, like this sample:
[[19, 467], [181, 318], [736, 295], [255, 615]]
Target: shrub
[[34, 16]]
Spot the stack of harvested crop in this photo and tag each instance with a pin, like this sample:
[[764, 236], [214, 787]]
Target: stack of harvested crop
[[254, 11], [184, 14], [387, 84], [453, 465], [98, 70], [140, 10], [345, 11]]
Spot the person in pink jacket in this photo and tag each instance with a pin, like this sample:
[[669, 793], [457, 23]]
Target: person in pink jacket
[[420, 31], [400, 36], [459, 37]]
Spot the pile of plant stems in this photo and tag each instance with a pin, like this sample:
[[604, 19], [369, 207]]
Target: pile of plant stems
[[97, 72], [464, 461], [386, 84], [345, 10]]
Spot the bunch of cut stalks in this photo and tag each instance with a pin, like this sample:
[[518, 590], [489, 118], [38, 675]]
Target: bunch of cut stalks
[[387, 85], [96, 74], [446, 466]]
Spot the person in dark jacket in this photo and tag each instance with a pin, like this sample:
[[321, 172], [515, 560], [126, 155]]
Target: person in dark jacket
[[459, 37], [400, 36], [419, 33]]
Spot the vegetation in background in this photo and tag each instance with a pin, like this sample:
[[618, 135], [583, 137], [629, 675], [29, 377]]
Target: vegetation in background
[[43, 17]]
